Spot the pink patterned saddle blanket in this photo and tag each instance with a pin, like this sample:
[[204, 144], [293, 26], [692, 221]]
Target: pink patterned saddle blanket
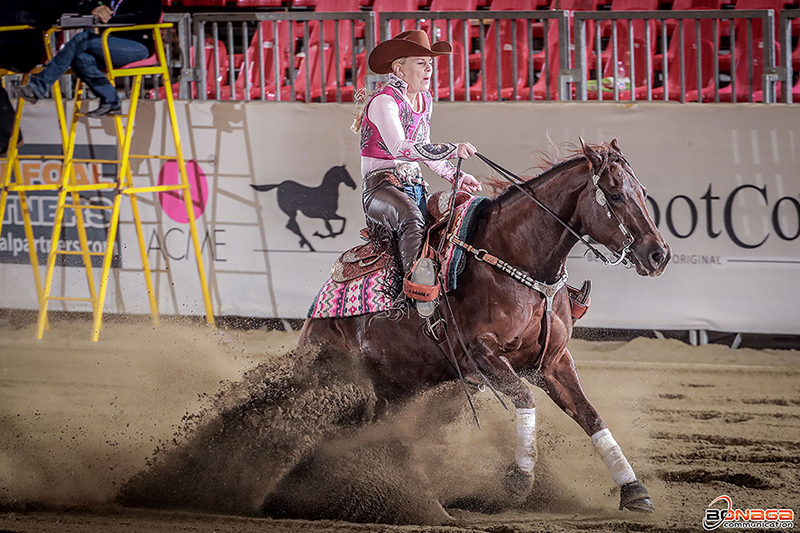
[[376, 291]]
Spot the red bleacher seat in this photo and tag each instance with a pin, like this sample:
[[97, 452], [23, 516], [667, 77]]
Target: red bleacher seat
[[255, 66], [308, 91], [742, 74], [209, 66], [634, 5], [504, 5], [203, 3], [686, 5], [507, 50], [776, 5], [437, 32], [546, 86], [690, 71], [566, 5], [395, 26], [515, 5], [454, 5], [329, 27], [628, 63], [259, 3]]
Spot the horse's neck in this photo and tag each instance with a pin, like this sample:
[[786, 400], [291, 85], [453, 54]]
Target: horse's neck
[[330, 182], [524, 235]]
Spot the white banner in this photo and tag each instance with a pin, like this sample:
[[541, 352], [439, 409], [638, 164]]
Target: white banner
[[723, 181]]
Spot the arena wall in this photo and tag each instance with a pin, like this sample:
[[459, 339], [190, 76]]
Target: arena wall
[[723, 183]]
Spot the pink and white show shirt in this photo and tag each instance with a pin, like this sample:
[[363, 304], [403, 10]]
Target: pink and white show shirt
[[393, 133]]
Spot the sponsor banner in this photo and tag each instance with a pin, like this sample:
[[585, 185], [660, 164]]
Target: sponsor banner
[[720, 513], [14, 246], [277, 193]]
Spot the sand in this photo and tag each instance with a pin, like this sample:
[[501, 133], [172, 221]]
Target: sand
[[182, 428]]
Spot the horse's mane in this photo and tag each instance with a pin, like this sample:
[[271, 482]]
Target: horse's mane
[[548, 163]]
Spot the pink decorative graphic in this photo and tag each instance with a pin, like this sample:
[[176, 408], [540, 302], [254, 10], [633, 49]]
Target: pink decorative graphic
[[172, 201]]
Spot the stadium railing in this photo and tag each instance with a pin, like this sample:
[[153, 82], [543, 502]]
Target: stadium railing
[[751, 50], [789, 56], [332, 45], [512, 64], [705, 56]]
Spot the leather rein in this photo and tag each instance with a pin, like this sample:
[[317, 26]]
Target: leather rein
[[547, 290], [600, 198]]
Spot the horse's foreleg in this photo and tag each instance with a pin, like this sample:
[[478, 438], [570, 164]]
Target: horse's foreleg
[[560, 382], [328, 226]]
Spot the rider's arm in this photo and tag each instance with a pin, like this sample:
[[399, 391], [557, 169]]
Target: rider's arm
[[385, 114], [445, 169]]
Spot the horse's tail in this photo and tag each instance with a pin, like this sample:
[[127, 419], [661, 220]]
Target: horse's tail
[[267, 187]]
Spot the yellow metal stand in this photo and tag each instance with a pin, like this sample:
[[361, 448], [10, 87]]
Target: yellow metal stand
[[122, 187], [12, 175]]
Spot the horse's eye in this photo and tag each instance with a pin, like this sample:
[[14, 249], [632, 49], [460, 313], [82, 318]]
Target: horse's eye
[[615, 197]]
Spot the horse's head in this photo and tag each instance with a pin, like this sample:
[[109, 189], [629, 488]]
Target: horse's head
[[339, 174], [613, 210]]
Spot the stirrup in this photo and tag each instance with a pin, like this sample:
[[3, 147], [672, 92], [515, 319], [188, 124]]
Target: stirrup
[[421, 286], [580, 299]]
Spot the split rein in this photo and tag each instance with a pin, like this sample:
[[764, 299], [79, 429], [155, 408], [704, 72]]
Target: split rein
[[600, 198]]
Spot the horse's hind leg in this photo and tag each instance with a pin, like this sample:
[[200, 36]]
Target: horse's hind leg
[[294, 227], [519, 479], [560, 381]]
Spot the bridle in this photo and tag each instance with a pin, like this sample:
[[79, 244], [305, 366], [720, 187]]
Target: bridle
[[599, 196]]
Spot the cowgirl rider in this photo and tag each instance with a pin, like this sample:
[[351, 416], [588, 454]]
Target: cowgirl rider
[[394, 123]]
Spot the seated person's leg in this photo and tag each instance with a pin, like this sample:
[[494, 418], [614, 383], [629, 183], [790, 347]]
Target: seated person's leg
[[88, 63], [40, 83], [87, 68], [123, 51], [6, 121]]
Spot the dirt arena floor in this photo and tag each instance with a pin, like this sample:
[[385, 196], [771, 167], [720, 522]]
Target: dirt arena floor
[[85, 428]]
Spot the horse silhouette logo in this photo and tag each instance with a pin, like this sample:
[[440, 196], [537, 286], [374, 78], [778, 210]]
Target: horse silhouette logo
[[314, 202]]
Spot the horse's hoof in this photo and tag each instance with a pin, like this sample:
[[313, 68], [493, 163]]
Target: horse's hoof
[[634, 497], [517, 482]]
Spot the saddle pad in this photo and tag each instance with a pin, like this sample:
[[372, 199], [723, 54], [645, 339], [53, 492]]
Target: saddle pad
[[369, 294], [454, 258]]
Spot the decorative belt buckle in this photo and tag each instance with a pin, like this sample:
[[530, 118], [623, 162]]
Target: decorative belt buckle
[[406, 172]]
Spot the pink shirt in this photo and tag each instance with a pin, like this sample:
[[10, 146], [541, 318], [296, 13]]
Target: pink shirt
[[392, 133]]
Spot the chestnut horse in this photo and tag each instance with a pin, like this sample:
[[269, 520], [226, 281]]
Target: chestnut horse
[[509, 333]]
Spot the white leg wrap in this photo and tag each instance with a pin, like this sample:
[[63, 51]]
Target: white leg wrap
[[612, 455], [526, 439]]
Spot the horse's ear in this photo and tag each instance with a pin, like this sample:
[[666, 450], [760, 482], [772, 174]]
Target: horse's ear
[[594, 158], [615, 146]]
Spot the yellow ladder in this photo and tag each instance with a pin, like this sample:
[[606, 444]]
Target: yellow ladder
[[12, 175], [122, 187]]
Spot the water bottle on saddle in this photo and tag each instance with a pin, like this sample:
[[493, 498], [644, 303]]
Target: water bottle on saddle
[[394, 124]]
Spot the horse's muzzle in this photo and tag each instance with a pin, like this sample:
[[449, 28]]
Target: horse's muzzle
[[652, 258]]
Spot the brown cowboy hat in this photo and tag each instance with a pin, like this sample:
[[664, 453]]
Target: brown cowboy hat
[[410, 43]]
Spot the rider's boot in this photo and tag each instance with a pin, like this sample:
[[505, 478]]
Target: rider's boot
[[423, 286]]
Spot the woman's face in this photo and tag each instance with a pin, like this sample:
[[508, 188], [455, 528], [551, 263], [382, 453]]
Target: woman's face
[[416, 72]]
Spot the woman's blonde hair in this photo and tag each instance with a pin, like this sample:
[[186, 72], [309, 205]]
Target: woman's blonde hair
[[362, 97]]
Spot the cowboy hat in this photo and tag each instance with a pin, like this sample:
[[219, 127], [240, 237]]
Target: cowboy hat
[[409, 43]]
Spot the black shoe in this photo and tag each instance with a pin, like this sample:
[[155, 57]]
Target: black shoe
[[104, 110], [26, 93]]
